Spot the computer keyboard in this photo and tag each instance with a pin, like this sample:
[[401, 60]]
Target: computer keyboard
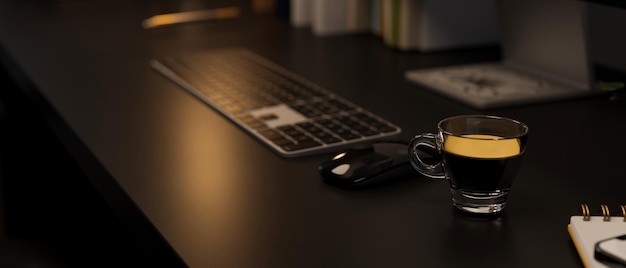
[[286, 112]]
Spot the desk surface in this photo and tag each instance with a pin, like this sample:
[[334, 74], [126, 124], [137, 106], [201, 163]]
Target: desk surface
[[166, 161]]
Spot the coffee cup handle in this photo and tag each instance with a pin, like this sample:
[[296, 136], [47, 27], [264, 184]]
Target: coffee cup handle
[[426, 140]]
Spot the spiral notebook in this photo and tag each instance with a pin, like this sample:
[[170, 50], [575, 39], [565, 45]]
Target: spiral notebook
[[586, 230]]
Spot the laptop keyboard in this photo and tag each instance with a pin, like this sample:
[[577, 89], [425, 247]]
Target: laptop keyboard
[[286, 112]]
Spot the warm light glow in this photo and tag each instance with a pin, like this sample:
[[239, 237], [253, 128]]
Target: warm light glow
[[180, 17]]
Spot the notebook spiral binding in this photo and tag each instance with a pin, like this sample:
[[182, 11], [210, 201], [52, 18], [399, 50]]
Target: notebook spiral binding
[[606, 214]]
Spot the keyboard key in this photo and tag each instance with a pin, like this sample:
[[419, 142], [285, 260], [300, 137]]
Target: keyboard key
[[347, 134], [327, 138], [340, 105], [379, 125], [295, 134], [308, 127], [319, 133], [306, 110], [275, 137], [327, 108], [250, 121]]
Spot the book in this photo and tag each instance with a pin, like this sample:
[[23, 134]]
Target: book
[[359, 15], [300, 13], [586, 230], [389, 22], [329, 17], [333, 17], [375, 17]]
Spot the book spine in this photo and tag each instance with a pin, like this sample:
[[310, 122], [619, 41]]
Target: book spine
[[329, 17], [375, 17], [409, 23], [300, 13], [359, 13], [390, 10]]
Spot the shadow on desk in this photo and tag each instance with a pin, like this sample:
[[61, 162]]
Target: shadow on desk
[[50, 216]]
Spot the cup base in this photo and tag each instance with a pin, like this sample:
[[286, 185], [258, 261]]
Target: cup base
[[479, 202]]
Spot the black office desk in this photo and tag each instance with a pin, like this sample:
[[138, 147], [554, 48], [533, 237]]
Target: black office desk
[[180, 175]]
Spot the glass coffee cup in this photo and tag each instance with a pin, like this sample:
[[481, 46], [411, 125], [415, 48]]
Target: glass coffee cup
[[479, 155]]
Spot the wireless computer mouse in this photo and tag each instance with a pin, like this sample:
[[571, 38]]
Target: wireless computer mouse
[[379, 164]]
